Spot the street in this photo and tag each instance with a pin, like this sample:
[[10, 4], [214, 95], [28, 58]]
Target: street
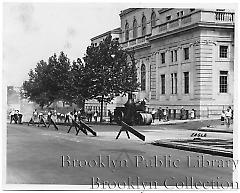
[[39, 155]]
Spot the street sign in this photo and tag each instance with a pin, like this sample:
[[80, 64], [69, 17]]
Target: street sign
[[199, 134], [125, 127]]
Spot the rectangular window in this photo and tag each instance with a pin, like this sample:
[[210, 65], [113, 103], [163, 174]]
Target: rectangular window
[[223, 82], [163, 84], [163, 58], [175, 51], [174, 83], [186, 53], [186, 82], [171, 56], [175, 79], [180, 14], [223, 53]]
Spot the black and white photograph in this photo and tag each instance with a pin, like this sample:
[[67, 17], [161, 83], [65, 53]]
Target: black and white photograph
[[119, 96]]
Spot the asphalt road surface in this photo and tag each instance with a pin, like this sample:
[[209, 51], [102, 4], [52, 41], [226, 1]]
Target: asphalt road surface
[[39, 155]]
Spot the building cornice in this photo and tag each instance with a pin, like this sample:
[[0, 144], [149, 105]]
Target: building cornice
[[190, 27], [129, 10]]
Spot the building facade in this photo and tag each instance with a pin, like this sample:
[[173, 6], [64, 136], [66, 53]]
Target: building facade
[[184, 57]]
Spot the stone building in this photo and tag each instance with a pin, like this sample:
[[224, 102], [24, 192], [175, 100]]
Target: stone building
[[184, 57]]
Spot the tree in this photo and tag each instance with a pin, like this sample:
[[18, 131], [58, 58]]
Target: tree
[[60, 74], [79, 88], [47, 82], [38, 87], [111, 69]]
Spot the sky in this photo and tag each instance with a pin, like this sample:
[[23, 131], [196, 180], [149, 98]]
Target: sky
[[35, 31]]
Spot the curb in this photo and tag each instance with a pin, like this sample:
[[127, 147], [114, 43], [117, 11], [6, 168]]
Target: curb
[[193, 148], [184, 121], [215, 130], [169, 123]]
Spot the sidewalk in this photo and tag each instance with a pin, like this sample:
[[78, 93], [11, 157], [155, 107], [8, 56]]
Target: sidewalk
[[218, 128], [176, 121], [219, 141]]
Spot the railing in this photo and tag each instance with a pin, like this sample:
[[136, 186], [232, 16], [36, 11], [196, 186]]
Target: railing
[[200, 16], [203, 16], [140, 40], [224, 17]]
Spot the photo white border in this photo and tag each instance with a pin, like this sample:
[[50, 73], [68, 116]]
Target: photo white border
[[150, 3]]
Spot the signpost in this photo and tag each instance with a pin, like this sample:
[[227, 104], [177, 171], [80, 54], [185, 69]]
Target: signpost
[[125, 127]]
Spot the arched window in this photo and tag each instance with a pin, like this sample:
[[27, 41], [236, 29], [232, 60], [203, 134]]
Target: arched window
[[143, 77], [153, 19], [144, 26], [126, 32], [135, 28]]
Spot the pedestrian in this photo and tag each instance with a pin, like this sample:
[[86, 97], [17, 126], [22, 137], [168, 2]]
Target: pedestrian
[[231, 111], [153, 114], [49, 115], [228, 115], [35, 115], [95, 116], [67, 117], [110, 116], [223, 117], [40, 116], [160, 114], [15, 116], [167, 114], [58, 116], [182, 113], [75, 115], [12, 116], [20, 117], [62, 118], [89, 115], [192, 114], [79, 115]]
